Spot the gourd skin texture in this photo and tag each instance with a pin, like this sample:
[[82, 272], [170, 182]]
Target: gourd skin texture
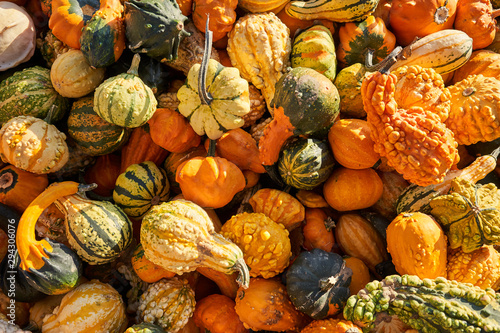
[[483, 62], [428, 305], [265, 243], [231, 100]]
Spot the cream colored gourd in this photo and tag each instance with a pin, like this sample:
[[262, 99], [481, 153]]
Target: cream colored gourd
[[73, 77], [33, 145]]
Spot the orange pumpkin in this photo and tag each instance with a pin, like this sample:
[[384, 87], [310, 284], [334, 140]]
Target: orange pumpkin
[[175, 159], [331, 325], [477, 19], [318, 230], [360, 274], [186, 6], [222, 16], [216, 314]]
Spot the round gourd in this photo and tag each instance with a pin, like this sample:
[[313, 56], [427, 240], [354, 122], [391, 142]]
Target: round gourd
[[125, 100], [216, 313], [332, 326], [145, 328], [348, 82], [140, 187], [91, 133], [30, 92], [73, 77], [305, 163]]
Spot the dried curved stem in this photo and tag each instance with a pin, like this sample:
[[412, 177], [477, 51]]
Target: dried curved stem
[[202, 78]]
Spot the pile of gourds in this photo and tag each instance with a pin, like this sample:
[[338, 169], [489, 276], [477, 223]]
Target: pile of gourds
[[249, 166]]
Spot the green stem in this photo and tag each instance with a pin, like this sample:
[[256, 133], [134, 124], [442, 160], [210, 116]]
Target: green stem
[[205, 97], [211, 148]]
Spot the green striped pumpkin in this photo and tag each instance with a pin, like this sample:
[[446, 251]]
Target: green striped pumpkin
[[305, 163], [30, 92], [336, 11], [125, 100], [98, 231], [141, 187], [91, 133]]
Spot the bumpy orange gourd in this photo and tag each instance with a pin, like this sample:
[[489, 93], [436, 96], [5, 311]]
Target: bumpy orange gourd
[[222, 16], [415, 141], [477, 19]]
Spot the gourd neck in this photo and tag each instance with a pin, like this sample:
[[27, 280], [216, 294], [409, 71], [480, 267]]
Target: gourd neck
[[385, 65], [205, 97], [243, 278], [134, 67], [495, 13]]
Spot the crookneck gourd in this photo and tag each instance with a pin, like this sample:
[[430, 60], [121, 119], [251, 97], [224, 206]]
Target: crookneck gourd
[[469, 214], [427, 305], [49, 267], [414, 140], [179, 236]]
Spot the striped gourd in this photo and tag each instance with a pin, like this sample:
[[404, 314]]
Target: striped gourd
[[140, 187], [305, 163], [333, 10], [261, 6], [79, 313], [91, 133], [30, 92], [444, 51], [98, 231]]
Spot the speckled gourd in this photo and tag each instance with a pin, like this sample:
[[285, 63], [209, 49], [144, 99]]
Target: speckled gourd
[[259, 45], [33, 145], [427, 305], [265, 243], [168, 303]]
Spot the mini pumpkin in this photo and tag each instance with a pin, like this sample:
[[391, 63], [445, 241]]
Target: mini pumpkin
[[477, 19], [222, 16], [216, 313]]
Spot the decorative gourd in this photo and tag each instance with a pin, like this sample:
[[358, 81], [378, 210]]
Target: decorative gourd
[[18, 188], [222, 16], [393, 186], [42, 308], [186, 6], [295, 24], [267, 44], [351, 189], [480, 267], [261, 6], [358, 238], [314, 48], [209, 181], [141, 187], [102, 40], [348, 82], [103, 173], [98, 231], [49, 267], [239, 147], [468, 214], [318, 283], [421, 152], [331, 325], [455, 306], [145, 269], [168, 303], [33, 145], [475, 108], [418, 245], [337, 11], [227, 283], [216, 314], [356, 38], [18, 41], [137, 102], [145, 327], [318, 230], [360, 274], [410, 19], [190, 242], [79, 313], [477, 19], [305, 163], [139, 148], [483, 62], [257, 104], [351, 144], [90, 132], [292, 117], [280, 206], [50, 47], [173, 160], [29, 92], [265, 243], [171, 131], [154, 27], [311, 199], [265, 305], [444, 51]]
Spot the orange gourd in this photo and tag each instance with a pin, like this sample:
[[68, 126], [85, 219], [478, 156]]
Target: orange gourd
[[222, 16], [477, 19], [360, 274], [215, 313], [147, 270], [318, 230]]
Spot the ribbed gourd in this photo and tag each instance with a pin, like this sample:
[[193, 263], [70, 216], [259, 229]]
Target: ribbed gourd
[[427, 305], [265, 243], [140, 187], [125, 100], [180, 236], [336, 11], [168, 303]]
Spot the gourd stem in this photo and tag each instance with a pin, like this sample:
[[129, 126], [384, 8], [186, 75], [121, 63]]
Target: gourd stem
[[205, 97], [327, 283], [243, 278], [134, 67], [385, 64], [86, 187], [495, 153], [211, 148], [495, 13], [50, 114]]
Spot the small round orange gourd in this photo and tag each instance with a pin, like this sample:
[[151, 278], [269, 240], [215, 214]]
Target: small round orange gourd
[[360, 274], [331, 325], [146, 270], [317, 230], [216, 313], [222, 16]]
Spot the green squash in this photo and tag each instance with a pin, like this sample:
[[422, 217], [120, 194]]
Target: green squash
[[125, 100], [305, 163], [141, 187], [315, 48], [91, 133], [318, 283], [154, 27], [348, 82], [30, 92]]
